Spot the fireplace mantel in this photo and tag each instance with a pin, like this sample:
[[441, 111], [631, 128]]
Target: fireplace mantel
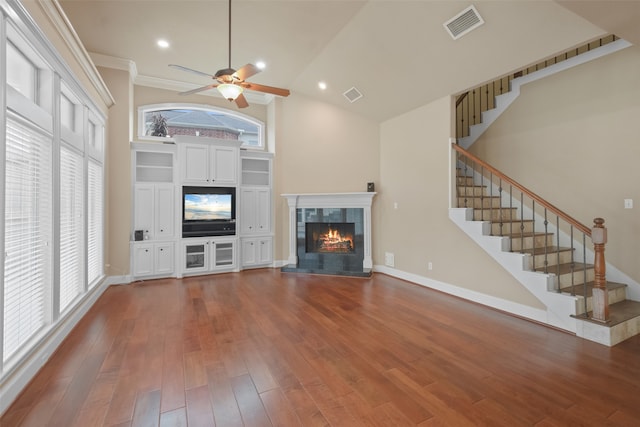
[[362, 200]]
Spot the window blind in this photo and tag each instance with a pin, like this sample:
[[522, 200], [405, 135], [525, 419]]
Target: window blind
[[28, 213], [95, 214], [71, 226]]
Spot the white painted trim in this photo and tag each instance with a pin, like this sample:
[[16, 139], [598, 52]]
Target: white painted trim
[[115, 63], [335, 201], [178, 86], [532, 313], [15, 379], [506, 99], [61, 23]]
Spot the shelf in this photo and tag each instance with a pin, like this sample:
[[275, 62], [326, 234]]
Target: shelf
[[150, 158], [153, 166], [255, 171]]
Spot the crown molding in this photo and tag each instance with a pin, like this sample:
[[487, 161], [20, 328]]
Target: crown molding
[[178, 86], [166, 84], [115, 63], [61, 23]]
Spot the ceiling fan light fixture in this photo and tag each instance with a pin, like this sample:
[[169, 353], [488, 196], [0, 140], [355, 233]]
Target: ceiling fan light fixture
[[230, 91]]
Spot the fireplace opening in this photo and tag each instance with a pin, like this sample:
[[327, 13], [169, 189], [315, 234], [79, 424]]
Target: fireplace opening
[[333, 238]]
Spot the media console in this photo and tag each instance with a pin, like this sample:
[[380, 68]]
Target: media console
[[206, 229]]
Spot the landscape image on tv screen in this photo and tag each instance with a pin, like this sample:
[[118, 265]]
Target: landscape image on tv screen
[[203, 207]]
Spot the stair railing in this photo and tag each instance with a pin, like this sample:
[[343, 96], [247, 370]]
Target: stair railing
[[471, 104], [513, 207]]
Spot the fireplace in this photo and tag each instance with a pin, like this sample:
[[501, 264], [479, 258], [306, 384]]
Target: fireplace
[[330, 234], [330, 238]]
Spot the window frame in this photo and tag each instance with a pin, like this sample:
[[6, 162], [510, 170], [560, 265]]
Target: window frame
[[42, 114], [144, 109]]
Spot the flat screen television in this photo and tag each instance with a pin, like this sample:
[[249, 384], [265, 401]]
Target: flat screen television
[[208, 211]]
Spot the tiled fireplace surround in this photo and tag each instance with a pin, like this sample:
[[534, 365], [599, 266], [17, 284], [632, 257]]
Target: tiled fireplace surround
[[330, 208]]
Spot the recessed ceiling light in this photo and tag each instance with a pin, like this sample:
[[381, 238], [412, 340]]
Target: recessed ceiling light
[[322, 85], [261, 65], [163, 43]]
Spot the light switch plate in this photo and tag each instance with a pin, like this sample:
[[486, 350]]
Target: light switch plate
[[628, 203]]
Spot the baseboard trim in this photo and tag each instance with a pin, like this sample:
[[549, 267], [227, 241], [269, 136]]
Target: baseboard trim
[[19, 376], [513, 308]]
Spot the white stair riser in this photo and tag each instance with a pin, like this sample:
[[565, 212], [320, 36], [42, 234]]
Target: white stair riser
[[615, 295], [494, 214], [518, 243], [553, 258], [477, 202]]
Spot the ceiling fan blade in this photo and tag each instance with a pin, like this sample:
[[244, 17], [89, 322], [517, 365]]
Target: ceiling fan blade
[[190, 70], [247, 71], [241, 101], [200, 89], [266, 89]]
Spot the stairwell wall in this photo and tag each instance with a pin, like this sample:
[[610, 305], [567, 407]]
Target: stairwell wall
[[414, 173], [573, 139]]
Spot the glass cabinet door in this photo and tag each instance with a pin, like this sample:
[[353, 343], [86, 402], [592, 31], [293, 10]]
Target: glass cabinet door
[[195, 257]]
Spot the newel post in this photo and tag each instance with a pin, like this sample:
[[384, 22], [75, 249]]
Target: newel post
[[600, 300]]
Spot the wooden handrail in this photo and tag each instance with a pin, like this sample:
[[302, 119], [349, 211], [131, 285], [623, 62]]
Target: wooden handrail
[[586, 230], [461, 98]]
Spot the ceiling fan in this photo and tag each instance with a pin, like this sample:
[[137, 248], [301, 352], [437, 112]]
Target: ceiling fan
[[230, 82]]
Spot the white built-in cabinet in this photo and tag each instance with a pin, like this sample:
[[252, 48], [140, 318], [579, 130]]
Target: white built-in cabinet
[[159, 173], [154, 213], [256, 236], [153, 210], [208, 255], [255, 208], [153, 259], [209, 164]]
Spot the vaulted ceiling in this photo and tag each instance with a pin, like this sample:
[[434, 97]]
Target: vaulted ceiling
[[396, 52]]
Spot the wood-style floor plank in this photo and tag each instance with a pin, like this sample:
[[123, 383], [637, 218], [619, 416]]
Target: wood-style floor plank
[[265, 348]]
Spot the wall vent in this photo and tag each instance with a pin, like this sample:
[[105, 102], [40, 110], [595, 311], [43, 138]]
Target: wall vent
[[467, 20], [353, 94]]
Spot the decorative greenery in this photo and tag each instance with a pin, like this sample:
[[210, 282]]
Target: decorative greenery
[[158, 125]]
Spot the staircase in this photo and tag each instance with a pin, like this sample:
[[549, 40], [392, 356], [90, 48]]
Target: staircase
[[478, 108], [546, 250]]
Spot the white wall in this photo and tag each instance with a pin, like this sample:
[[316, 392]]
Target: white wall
[[414, 173]]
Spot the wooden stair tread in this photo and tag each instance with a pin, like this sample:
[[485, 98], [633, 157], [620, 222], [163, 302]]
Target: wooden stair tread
[[566, 268], [518, 235], [549, 250], [507, 220], [579, 288], [618, 313], [498, 208]]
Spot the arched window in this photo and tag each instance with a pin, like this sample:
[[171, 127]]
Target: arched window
[[164, 121]]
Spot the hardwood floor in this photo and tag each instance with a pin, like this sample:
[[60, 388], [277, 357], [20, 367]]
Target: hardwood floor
[[265, 348]]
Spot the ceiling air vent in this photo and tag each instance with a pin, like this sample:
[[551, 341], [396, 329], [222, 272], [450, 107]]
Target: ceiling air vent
[[353, 94], [467, 20]]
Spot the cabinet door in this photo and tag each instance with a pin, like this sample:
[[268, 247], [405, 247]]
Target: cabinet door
[[263, 211], [249, 252], [195, 163], [164, 215], [224, 165], [248, 208], [195, 257], [223, 255], [264, 251], [143, 209], [142, 259], [164, 258]]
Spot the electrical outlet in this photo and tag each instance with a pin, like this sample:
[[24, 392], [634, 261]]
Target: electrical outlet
[[628, 203], [395, 205], [430, 265], [389, 259]]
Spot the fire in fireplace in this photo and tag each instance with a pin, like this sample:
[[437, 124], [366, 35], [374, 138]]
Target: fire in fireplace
[[323, 237]]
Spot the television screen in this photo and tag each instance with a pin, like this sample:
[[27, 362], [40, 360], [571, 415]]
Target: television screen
[[205, 207]]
